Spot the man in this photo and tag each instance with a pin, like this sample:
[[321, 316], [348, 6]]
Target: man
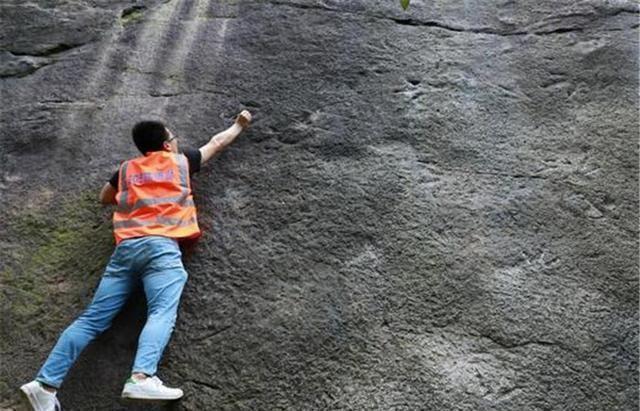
[[154, 210]]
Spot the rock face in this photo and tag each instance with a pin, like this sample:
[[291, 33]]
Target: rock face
[[434, 209]]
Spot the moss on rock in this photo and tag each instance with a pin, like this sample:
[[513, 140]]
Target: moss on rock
[[69, 247], [131, 14]]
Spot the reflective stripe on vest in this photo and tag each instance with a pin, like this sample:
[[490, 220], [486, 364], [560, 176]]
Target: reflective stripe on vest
[[145, 202], [123, 183], [133, 223]]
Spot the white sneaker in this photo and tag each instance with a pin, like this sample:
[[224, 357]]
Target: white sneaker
[[39, 398], [150, 388]]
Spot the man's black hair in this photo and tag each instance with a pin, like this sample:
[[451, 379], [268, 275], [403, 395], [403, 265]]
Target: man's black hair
[[149, 135]]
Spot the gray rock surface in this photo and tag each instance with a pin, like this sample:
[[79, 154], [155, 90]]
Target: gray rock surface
[[434, 209]]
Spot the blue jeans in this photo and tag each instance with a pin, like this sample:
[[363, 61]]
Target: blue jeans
[[157, 262]]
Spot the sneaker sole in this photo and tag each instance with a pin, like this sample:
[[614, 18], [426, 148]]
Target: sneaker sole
[[138, 400]]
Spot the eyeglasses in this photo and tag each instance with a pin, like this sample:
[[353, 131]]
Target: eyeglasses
[[171, 139]]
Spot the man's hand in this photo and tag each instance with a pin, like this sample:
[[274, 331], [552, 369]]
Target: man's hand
[[224, 138], [243, 119]]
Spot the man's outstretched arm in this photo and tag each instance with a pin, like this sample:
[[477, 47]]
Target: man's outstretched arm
[[224, 138]]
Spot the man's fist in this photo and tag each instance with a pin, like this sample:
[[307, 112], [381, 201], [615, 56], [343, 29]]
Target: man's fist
[[243, 119]]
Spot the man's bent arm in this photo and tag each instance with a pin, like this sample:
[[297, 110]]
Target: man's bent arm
[[108, 194], [224, 138]]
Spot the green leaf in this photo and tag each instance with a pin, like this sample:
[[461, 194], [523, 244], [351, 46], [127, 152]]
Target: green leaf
[[404, 3]]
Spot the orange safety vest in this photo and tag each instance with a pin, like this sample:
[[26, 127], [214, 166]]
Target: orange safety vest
[[154, 198]]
